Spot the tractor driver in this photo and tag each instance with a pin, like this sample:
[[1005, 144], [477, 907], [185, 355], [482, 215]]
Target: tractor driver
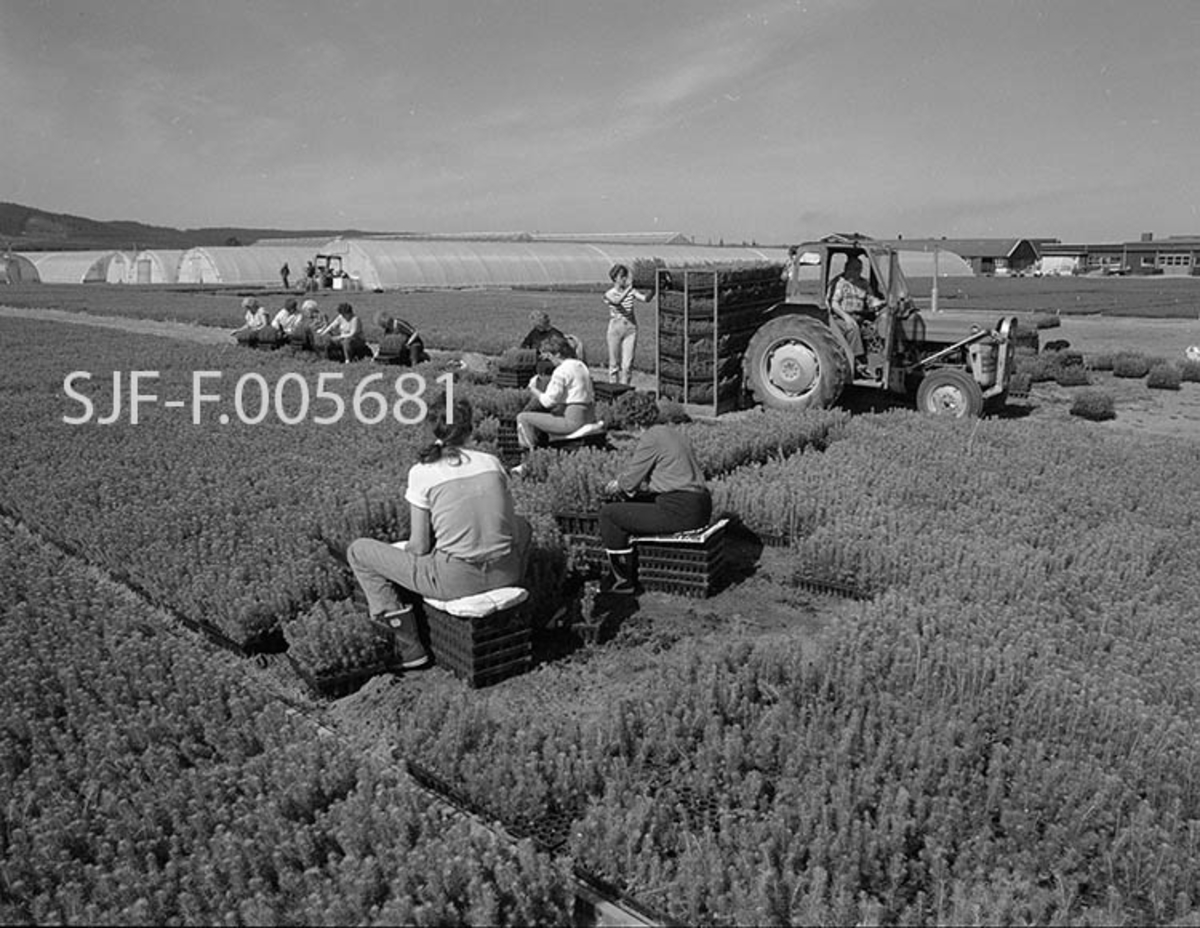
[[853, 302]]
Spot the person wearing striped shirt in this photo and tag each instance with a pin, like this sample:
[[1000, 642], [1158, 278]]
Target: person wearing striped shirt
[[622, 324]]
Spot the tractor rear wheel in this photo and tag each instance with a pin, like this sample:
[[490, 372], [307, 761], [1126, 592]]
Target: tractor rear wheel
[[948, 391], [794, 362]]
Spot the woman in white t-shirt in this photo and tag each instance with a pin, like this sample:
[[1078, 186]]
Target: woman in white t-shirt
[[567, 404], [346, 335], [465, 535], [256, 321]]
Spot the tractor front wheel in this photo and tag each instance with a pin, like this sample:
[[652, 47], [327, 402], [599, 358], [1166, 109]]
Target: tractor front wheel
[[949, 391], [794, 362]]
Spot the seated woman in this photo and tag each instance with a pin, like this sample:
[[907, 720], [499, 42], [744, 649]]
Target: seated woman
[[288, 319], [346, 336], [401, 342], [676, 497], [256, 321], [567, 404], [542, 329], [466, 537]]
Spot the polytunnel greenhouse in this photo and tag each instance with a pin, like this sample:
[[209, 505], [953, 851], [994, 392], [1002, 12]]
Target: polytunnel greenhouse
[[18, 269], [398, 264], [156, 266], [120, 268], [244, 265], [71, 267]]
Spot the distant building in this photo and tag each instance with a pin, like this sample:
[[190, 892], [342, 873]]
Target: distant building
[[1176, 256], [987, 256]]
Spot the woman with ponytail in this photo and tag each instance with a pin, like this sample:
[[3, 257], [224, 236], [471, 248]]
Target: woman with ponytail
[[465, 536]]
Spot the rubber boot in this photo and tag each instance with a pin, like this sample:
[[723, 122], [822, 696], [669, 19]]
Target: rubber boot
[[624, 572], [406, 637]]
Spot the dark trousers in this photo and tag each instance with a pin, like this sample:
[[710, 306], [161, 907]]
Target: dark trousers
[[666, 513]]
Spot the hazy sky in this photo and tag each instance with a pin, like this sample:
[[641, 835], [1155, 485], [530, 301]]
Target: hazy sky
[[760, 120]]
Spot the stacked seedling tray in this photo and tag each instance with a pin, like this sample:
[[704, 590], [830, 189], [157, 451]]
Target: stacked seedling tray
[[336, 683], [688, 563], [482, 651], [609, 392], [516, 368], [581, 534], [506, 441], [706, 317]]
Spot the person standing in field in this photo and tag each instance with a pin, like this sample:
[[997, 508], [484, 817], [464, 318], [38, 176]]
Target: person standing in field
[[284, 273], [791, 275], [622, 324]]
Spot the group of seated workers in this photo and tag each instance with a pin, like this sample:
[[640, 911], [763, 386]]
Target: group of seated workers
[[305, 328], [466, 537]]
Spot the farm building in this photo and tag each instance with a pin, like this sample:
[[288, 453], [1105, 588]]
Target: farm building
[[18, 269], [243, 265], [1175, 256], [156, 266], [403, 263], [987, 256], [71, 267]]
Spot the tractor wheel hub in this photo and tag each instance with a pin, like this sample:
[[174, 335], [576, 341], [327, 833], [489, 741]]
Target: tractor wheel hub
[[793, 368]]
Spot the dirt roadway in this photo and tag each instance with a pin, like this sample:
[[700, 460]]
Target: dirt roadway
[[1140, 410]]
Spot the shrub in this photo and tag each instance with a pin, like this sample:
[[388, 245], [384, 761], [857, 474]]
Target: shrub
[[1129, 364], [672, 411], [1042, 368], [1190, 371], [1046, 321], [1093, 405], [1072, 376], [1164, 377], [1101, 362]]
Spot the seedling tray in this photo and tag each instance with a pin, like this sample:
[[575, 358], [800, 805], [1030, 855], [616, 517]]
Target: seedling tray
[[332, 684]]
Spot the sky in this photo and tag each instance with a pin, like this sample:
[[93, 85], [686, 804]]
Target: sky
[[766, 121]]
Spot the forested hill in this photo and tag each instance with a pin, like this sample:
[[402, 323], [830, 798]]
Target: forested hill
[[26, 228]]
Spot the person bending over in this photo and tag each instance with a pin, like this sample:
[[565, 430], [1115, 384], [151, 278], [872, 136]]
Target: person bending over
[[662, 490], [255, 321], [465, 537], [567, 404]]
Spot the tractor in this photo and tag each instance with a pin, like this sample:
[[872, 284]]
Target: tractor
[[800, 356]]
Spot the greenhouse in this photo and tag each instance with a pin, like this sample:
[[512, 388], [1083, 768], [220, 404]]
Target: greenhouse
[[247, 265], [120, 268], [18, 269], [156, 266], [71, 267], [398, 264]]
